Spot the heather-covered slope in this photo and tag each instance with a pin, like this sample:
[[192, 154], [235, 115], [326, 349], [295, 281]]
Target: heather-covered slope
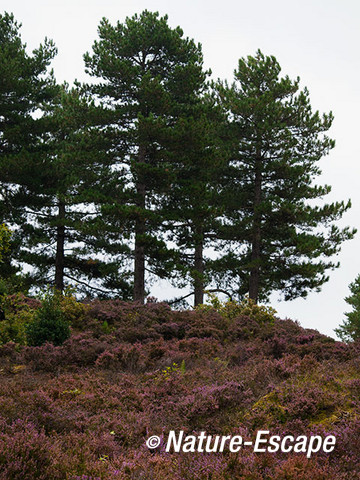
[[84, 410]]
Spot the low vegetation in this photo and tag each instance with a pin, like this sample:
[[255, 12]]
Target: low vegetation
[[84, 409]]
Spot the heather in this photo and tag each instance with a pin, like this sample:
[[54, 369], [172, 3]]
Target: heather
[[83, 409]]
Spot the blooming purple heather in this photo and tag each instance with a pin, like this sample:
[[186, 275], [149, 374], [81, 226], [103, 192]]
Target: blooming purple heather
[[83, 410]]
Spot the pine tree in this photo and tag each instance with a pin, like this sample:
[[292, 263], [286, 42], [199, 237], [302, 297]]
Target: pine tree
[[60, 196], [151, 76], [192, 208], [350, 328], [25, 86], [278, 237]]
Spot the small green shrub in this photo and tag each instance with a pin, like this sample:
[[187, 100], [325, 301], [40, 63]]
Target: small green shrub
[[5, 236], [74, 311], [18, 313], [350, 328], [247, 307], [49, 324], [106, 329], [13, 328]]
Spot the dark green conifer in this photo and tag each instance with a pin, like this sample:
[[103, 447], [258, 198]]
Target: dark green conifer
[[150, 76], [279, 235], [350, 328]]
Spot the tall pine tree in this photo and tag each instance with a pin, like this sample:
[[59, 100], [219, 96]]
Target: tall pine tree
[[60, 192], [279, 238], [26, 85], [150, 76], [193, 208]]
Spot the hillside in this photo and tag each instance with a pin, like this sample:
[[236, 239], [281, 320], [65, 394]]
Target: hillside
[[83, 410]]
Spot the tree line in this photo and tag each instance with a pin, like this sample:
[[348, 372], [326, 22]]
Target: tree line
[[140, 174]]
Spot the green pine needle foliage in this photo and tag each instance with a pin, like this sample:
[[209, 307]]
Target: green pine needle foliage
[[49, 324], [350, 329]]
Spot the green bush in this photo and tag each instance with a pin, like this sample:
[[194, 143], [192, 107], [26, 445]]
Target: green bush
[[18, 312], [350, 328], [12, 329], [74, 311], [49, 324], [247, 307], [4, 239]]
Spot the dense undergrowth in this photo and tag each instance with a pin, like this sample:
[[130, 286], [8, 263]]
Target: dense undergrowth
[[83, 409]]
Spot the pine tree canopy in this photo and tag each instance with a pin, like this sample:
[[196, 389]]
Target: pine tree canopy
[[278, 238], [350, 328], [151, 172], [151, 78]]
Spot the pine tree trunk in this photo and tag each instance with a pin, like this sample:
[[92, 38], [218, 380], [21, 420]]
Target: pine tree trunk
[[140, 230], [199, 268], [254, 280], [60, 243]]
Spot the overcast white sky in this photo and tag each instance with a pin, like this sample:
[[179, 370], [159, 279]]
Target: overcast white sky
[[317, 40]]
